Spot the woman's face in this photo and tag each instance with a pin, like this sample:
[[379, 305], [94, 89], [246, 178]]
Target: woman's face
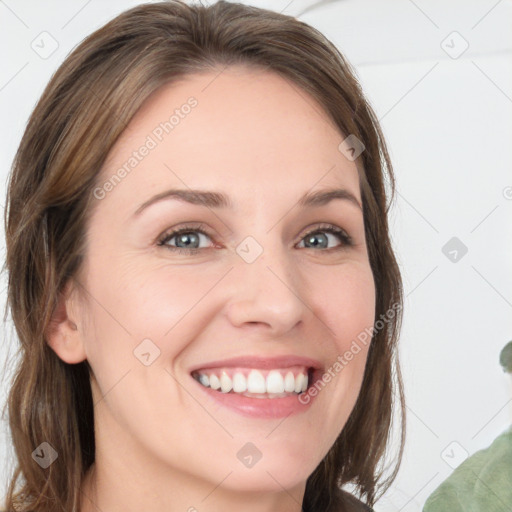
[[267, 281]]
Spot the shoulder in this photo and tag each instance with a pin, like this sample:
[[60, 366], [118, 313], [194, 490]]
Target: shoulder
[[352, 504], [482, 480]]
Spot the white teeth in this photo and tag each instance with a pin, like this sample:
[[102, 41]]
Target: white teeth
[[214, 382], [204, 380], [256, 382], [239, 383], [289, 382], [305, 383], [277, 383], [298, 383], [225, 383]]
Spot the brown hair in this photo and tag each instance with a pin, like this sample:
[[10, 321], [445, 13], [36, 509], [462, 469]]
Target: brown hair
[[84, 109]]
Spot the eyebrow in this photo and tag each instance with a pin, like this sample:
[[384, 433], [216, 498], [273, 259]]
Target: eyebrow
[[220, 200]]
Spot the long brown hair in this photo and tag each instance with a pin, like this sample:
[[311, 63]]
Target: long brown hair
[[84, 109]]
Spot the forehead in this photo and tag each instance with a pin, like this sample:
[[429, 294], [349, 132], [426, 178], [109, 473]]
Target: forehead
[[251, 132]]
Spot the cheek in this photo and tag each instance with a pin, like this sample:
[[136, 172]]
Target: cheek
[[347, 305], [142, 314], [346, 300], [141, 320], [146, 301]]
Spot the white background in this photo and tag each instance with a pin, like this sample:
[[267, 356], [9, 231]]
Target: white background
[[448, 123]]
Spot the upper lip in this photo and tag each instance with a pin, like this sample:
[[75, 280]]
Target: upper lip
[[261, 362]]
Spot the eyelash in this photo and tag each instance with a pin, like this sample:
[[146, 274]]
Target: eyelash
[[327, 228]]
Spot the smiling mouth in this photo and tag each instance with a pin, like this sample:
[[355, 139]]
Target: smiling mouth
[[256, 383]]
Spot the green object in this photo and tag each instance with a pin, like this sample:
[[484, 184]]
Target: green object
[[482, 483], [506, 357]]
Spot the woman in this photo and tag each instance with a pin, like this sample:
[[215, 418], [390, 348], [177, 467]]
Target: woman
[[200, 273]]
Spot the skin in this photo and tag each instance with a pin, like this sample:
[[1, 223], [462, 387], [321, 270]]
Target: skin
[[161, 443]]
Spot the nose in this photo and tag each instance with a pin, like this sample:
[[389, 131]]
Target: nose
[[267, 291]]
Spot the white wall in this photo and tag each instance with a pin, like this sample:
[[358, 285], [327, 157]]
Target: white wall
[[448, 122]]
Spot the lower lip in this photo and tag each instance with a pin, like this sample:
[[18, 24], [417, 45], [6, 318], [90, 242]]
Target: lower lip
[[266, 408]]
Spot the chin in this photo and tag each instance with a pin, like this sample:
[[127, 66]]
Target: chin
[[262, 481], [270, 475]]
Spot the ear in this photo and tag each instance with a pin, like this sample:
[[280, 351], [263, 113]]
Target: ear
[[62, 334]]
